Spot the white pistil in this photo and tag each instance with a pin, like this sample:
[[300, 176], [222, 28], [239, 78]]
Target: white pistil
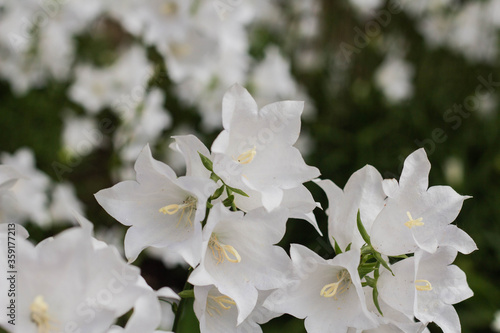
[[221, 302], [247, 156], [189, 203], [39, 315], [339, 287], [222, 252], [423, 285], [413, 222]]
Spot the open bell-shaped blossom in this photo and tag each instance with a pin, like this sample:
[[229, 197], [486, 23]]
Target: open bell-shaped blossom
[[218, 313], [72, 283], [255, 150], [363, 191], [417, 216], [391, 320], [425, 287], [238, 255], [327, 293], [162, 210], [297, 200]]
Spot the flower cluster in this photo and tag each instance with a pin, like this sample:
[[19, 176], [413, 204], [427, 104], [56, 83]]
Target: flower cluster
[[394, 242], [398, 238]]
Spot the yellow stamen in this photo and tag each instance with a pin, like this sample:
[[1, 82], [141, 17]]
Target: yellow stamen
[[222, 252], [425, 287], [223, 302], [169, 8], [39, 315], [189, 203], [414, 222], [247, 156], [339, 287]]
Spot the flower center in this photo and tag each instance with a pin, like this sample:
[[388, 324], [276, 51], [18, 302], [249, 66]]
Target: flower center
[[413, 222], [188, 204], [215, 303], [247, 156], [169, 8], [339, 287], [39, 315], [180, 50], [423, 285], [222, 252]]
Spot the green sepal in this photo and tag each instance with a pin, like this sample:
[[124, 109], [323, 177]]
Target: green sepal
[[366, 268], [209, 205], [237, 190], [375, 300], [214, 177], [401, 256], [187, 293], [362, 229], [218, 192], [228, 202], [336, 246], [364, 271], [206, 162], [371, 281], [384, 263]]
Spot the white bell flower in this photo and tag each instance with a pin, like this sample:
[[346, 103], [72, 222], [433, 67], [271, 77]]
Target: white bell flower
[[417, 216], [297, 200], [363, 191], [72, 283], [218, 313], [425, 287], [162, 210], [327, 293], [255, 149], [239, 257]]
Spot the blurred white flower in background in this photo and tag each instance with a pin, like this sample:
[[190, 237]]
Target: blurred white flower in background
[[144, 126], [65, 203], [78, 136], [453, 169], [120, 86], [272, 80], [394, 77], [29, 195], [495, 325]]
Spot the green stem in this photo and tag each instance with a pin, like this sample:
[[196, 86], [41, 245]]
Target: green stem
[[181, 307]]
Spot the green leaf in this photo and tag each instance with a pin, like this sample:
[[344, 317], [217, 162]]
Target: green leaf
[[187, 293], [218, 192], [206, 162], [348, 247], [375, 300], [209, 205], [336, 246], [362, 229], [237, 190]]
